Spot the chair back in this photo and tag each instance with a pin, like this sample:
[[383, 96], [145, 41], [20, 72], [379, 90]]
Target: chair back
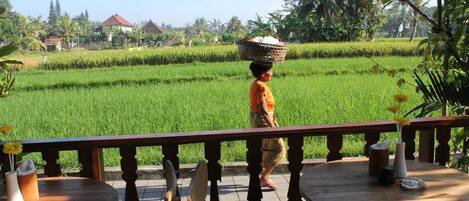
[[171, 182], [198, 187]]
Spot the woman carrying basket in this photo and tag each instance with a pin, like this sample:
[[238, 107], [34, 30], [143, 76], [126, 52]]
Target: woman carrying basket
[[262, 105]]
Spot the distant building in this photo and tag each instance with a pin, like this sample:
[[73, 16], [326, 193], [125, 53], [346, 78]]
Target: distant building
[[53, 44], [151, 27], [118, 22]]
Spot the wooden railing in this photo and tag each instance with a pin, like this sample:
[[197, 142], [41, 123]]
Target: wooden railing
[[90, 149]]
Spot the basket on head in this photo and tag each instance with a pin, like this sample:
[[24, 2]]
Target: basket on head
[[262, 52]]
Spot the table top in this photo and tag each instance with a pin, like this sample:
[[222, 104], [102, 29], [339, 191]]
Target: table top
[[73, 189], [348, 180]]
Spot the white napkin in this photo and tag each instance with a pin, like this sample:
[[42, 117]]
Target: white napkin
[[26, 167], [381, 145]]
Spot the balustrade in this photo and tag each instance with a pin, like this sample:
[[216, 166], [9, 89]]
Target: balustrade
[[90, 149]]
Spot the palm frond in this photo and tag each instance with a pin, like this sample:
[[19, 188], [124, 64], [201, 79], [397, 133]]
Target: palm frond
[[441, 91]]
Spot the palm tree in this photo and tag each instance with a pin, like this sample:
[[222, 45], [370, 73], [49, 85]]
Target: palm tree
[[259, 28], [322, 9], [327, 10], [234, 25], [68, 28], [200, 26], [216, 26]]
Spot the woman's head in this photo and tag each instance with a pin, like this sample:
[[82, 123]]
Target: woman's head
[[262, 71]]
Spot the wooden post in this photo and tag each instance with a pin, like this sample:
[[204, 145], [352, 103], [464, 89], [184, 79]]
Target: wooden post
[[295, 165], [465, 145], [52, 168], [370, 138], [5, 163], [408, 136], [443, 135], [91, 159], [334, 144], [254, 159], [170, 152], [212, 154], [427, 145], [129, 171]]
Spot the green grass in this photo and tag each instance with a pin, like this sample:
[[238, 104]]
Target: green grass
[[108, 77], [227, 53], [305, 92]]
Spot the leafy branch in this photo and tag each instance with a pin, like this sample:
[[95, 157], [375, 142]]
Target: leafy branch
[[391, 72]]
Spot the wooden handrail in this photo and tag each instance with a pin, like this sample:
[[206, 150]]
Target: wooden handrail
[[240, 134], [90, 148]]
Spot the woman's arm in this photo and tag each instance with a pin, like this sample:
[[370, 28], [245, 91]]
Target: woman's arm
[[263, 109]]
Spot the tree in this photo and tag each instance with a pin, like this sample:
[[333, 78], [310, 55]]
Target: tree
[[200, 26], [260, 28], [137, 35], [420, 5], [189, 31], [6, 83], [52, 15], [36, 27], [216, 26], [6, 5], [58, 10], [374, 19], [84, 26], [234, 25], [403, 18], [68, 28], [446, 63], [87, 16], [327, 10]]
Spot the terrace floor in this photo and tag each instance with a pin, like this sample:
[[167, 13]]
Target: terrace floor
[[231, 188]]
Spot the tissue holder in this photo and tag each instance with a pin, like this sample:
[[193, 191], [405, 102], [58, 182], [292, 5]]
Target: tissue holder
[[379, 157]]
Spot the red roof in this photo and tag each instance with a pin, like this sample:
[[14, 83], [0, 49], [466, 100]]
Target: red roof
[[117, 20], [53, 41]]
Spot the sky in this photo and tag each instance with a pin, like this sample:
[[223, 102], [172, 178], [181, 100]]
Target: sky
[[175, 12]]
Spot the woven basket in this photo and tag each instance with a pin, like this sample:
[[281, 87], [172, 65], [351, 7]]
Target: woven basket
[[262, 52]]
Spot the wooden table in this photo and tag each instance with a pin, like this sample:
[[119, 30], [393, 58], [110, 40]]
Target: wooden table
[[348, 180], [72, 189]]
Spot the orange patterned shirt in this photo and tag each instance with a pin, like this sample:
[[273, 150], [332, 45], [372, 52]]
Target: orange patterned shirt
[[258, 90]]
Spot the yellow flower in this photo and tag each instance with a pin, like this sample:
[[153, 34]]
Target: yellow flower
[[12, 148], [400, 98], [6, 129], [402, 121], [394, 109]]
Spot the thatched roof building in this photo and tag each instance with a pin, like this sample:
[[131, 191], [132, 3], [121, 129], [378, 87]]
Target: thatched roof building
[[151, 27]]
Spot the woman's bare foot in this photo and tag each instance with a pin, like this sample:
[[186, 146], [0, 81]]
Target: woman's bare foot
[[268, 183]]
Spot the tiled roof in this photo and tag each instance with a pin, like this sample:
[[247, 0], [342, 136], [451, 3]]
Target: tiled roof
[[117, 20], [151, 27], [53, 41]]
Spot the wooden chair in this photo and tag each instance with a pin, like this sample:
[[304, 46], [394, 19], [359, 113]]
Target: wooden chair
[[198, 187], [171, 182]]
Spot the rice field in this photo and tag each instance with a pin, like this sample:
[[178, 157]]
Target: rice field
[[225, 53], [167, 98]]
